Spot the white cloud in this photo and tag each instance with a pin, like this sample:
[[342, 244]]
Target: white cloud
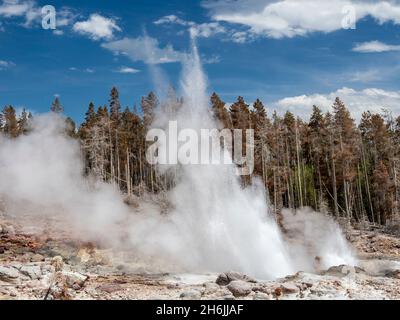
[[89, 70], [20, 8], [290, 18], [144, 49], [58, 32], [375, 46], [174, 20], [127, 70], [66, 16], [211, 60], [204, 30], [6, 64], [15, 8], [97, 27], [371, 99]]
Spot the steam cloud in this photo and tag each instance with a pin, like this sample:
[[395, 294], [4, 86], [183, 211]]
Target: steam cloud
[[214, 225]]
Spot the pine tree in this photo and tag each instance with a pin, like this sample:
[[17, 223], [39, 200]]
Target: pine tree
[[10, 127], [346, 151], [261, 125], [115, 106], [240, 114], [56, 106], [23, 122], [219, 110], [149, 105], [90, 115]]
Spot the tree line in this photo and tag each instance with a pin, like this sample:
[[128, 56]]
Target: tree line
[[329, 163]]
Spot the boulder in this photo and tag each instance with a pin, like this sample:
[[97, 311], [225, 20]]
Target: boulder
[[8, 274], [392, 274], [227, 277], [75, 279], [31, 271], [239, 288], [289, 287]]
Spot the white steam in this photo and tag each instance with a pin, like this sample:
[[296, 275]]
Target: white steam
[[214, 225], [41, 173]]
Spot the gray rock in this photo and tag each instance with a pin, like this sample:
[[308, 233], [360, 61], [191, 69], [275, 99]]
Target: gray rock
[[239, 288], [392, 274], [262, 296], [343, 270], [37, 258], [227, 277], [8, 274], [31, 271], [190, 295], [210, 287], [260, 287], [222, 279], [289, 287]]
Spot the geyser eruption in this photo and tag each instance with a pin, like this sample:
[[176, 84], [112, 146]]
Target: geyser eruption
[[224, 226], [213, 225], [218, 225]]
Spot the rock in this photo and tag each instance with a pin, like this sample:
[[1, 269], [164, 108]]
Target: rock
[[47, 269], [260, 287], [222, 280], [58, 263], [262, 296], [239, 288], [37, 258], [392, 274], [210, 287], [2, 250], [289, 287], [74, 279], [191, 295], [33, 272], [227, 277], [228, 297], [172, 286], [8, 274], [343, 270], [109, 287]]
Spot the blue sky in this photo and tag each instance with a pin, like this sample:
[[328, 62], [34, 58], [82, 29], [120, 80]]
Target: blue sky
[[289, 53]]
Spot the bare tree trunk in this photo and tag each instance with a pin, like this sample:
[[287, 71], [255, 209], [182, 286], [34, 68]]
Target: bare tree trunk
[[298, 166]]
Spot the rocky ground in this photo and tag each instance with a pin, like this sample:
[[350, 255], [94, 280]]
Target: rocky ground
[[48, 266]]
